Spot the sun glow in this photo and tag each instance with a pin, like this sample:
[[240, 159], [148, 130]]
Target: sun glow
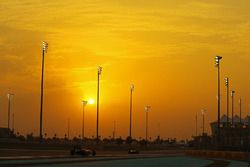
[[91, 101]]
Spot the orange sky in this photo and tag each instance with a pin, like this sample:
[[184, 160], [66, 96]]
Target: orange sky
[[166, 48]]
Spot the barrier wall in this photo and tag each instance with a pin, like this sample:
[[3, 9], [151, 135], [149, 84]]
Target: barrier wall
[[232, 155]]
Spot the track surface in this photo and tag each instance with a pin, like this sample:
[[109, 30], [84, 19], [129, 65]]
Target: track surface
[[53, 158]]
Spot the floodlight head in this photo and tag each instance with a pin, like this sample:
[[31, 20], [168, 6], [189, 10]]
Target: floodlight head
[[84, 102], [203, 111], [45, 46], [217, 60], [132, 87], [232, 93], [147, 108], [226, 81], [9, 95], [99, 70]]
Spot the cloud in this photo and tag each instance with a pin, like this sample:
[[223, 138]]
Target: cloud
[[123, 29], [163, 42]]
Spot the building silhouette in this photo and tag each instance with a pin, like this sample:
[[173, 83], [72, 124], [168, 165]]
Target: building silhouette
[[234, 136]]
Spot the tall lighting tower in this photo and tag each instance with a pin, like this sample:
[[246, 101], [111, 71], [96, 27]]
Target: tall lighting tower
[[227, 86], [44, 50], [240, 102], [232, 95], [84, 103], [99, 71], [217, 63], [130, 116], [203, 112], [147, 109], [9, 95]]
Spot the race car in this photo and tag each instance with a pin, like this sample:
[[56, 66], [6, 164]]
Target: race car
[[78, 150]]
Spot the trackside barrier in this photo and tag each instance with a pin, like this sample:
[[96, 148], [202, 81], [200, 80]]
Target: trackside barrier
[[232, 155]]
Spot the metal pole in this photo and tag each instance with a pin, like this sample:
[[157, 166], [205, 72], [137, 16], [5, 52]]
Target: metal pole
[[45, 45], [114, 130], [83, 121], [232, 94], [248, 123], [218, 137], [240, 110], [130, 120], [13, 123], [84, 103], [97, 119], [159, 130], [147, 108], [227, 86], [9, 107], [97, 109], [9, 96], [196, 125], [41, 104], [203, 118], [227, 89], [146, 126], [240, 124], [68, 128], [217, 61]]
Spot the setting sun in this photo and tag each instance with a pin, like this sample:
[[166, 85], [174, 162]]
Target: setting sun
[[91, 101]]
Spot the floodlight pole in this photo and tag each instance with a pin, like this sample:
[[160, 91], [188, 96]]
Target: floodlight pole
[[114, 129], [130, 120], [147, 109], [99, 71], [196, 125], [240, 109], [146, 126], [13, 123], [217, 63], [68, 128], [203, 121], [227, 86], [44, 49], [84, 103], [232, 95], [9, 95]]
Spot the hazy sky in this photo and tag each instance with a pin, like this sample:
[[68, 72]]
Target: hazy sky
[[166, 48]]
